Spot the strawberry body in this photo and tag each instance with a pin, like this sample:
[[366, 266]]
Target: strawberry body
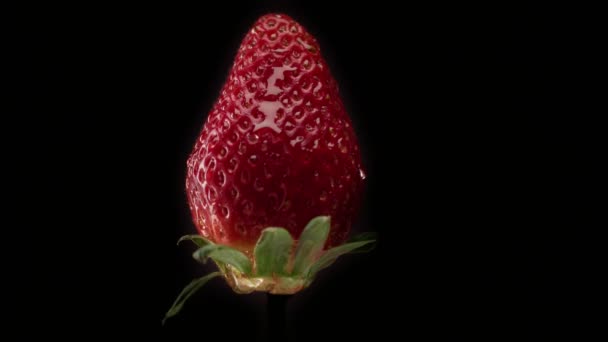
[[278, 147]]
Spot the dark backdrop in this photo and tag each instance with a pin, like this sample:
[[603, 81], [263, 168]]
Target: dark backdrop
[[468, 165]]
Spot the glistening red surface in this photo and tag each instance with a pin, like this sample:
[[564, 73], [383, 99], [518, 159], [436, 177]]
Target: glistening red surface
[[278, 147]]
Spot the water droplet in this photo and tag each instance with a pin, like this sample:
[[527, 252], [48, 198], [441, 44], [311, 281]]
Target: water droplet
[[362, 174], [252, 138]]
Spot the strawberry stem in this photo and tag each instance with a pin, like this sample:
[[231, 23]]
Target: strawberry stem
[[276, 307]]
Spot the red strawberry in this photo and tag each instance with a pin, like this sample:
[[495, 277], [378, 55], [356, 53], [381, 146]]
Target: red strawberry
[[277, 160], [278, 147]]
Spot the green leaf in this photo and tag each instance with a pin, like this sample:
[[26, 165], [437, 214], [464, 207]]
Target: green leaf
[[311, 244], [331, 255], [272, 251], [365, 236], [186, 293], [197, 239], [224, 254]]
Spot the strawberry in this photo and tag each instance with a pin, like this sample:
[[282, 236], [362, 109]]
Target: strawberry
[[278, 147], [276, 162]]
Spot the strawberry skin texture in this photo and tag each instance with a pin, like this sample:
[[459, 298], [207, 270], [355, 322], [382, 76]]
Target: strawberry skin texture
[[278, 147]]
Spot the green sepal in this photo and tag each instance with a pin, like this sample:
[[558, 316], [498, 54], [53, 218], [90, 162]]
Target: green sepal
[[272, 252], [331, 255], [186, 293], [365, 236], [224, 255], [311, 244], [198, 240]]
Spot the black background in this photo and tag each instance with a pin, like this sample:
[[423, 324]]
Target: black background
[[473, 180]]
